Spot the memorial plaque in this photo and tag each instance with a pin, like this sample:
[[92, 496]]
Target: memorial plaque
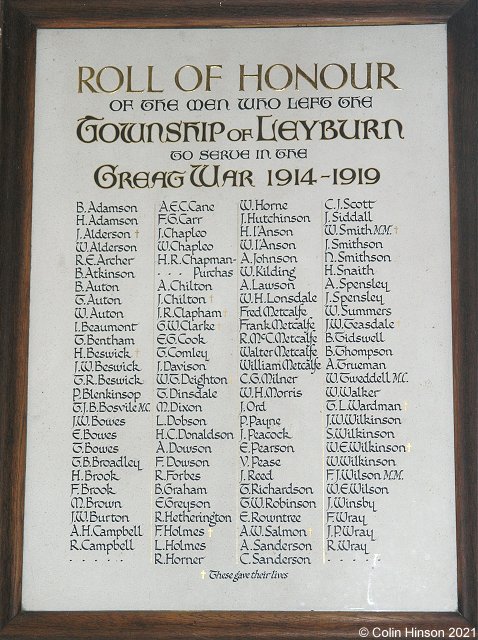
[[240, 257], [242, 390]]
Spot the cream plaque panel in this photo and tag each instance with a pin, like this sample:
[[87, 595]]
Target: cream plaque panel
[[240, 388]]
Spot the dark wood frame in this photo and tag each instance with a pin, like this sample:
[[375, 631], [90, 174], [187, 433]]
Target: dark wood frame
[[21, 19]]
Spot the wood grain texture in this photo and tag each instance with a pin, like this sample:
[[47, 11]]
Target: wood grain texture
[[220, 13], [217, 626], [463, 110], [15, 217], [21, 18]]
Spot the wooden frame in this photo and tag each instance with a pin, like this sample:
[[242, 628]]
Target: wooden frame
[[21, 19]]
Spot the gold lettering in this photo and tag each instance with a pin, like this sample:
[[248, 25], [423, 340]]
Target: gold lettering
[[353, 76], [344, 76], [301, 73], [288, 80], [150, 81], [209, 75], [85, 81], [243, 75], [198, 73], [385, 77], [120, 82], [129, 74]]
